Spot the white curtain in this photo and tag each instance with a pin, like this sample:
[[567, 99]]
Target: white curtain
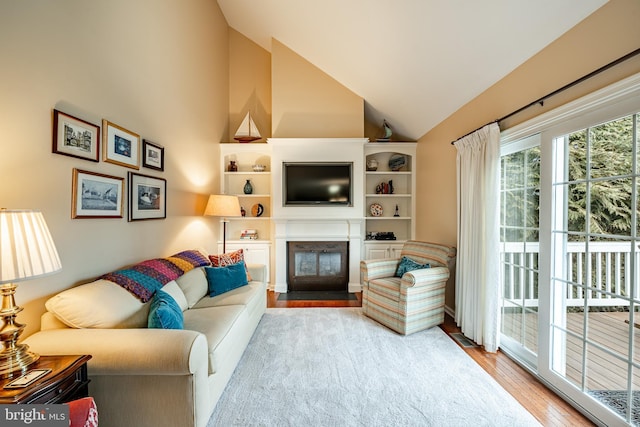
[[478, 260]]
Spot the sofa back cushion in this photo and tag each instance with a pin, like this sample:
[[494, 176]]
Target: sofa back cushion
[[99, 304], [194, 285], [173, 289]]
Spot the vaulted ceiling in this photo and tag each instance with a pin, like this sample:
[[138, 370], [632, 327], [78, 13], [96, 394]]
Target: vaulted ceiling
[[415, 62]]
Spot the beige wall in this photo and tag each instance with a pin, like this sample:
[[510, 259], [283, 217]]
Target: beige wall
[[606, 35], [307, 103], [249, 84], [155, 67]]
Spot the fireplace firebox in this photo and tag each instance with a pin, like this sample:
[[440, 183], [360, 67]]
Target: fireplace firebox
[[318, 266]]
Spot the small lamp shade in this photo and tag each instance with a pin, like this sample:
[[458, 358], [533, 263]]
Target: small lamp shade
[[222, 205], [26, 251], [26, 247]]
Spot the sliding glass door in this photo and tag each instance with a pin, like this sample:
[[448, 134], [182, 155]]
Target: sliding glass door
[[570, 234], [594, 281], [519, 235]]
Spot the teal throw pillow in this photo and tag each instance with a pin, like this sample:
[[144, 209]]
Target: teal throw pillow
[[407, 264], [224, 279], [165, 313]]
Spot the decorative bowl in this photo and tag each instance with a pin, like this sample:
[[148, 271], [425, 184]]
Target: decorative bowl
[[258, 168]]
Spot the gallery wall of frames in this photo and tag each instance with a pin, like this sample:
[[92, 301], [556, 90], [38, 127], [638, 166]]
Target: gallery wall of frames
[[98, 195]]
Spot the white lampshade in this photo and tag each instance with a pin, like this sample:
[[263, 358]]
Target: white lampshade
[[223, 206], [26, 247]]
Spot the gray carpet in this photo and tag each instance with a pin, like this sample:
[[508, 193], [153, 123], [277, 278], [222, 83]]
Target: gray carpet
[[336, 367]]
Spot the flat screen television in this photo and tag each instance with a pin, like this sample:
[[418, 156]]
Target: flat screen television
[[317, 183]]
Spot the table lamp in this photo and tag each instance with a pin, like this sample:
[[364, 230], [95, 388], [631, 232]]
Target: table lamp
[[27, 251], [223, 206]]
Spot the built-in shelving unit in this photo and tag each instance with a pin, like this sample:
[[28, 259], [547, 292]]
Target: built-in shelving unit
[[393, 191], [245, 155]]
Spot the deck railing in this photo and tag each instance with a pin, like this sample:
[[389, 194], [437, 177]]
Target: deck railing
[[608, 267]]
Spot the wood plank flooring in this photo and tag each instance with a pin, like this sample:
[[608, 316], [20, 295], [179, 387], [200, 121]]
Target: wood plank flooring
[[544, 404]]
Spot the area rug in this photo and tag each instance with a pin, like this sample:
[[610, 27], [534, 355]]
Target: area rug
[[316, 296], [336, 367]]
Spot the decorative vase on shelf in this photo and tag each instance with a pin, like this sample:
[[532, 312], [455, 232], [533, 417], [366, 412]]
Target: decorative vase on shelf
[[233, 167], [248, 188]]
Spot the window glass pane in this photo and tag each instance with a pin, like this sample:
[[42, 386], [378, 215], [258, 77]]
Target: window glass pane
[[576, 207], [607, 326], [513, 208], [513, 165], [610, 206], [577, 148], [610, 148]]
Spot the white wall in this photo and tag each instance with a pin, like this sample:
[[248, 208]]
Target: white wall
[[156, 67], [317, 150]]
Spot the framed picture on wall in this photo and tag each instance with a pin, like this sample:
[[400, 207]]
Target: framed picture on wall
[[96, 195], [147, 197], [152, 155], [75, 137], [121, 146]]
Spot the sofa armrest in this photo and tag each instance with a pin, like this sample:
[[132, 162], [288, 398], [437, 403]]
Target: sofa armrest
[[258, 272], [377, 268], [425, 277], [128, 351]]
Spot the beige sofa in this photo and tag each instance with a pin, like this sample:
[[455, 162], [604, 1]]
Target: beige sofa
[[154, 377]]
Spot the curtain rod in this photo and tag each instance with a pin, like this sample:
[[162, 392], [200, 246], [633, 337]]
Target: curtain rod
[[557, 91]]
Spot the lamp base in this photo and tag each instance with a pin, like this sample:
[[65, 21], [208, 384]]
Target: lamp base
[[14, 358], [16, 362]]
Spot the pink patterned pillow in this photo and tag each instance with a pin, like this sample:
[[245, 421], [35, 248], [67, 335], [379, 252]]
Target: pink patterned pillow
[[229, 258]]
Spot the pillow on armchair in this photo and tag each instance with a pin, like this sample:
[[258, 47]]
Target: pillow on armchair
[[407, 264]]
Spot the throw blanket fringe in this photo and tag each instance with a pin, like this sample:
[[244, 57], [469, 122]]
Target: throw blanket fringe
[[145, 278]]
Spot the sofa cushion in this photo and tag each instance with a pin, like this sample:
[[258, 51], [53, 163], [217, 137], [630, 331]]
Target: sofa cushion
[[164, 312], [407, 264], [229, 258], [193, 285], [175, 291], [214, 323], [224, 279], [244, 295], [99, 304]]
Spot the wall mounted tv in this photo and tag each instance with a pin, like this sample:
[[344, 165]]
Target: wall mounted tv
[[317, 183]]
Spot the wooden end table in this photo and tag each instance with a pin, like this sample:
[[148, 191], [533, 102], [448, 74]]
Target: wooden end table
[[67, 381]]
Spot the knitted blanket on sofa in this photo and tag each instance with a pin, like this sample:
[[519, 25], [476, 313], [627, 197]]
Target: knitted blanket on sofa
[[145, 278]]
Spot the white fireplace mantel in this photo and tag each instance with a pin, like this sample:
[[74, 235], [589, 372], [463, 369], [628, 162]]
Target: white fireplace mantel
[[316, 229]]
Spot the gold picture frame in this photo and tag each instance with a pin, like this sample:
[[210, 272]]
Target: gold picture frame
[[121, 146], [96, 195]]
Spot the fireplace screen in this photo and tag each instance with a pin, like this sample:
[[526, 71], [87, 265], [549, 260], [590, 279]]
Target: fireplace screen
[[317, 265]]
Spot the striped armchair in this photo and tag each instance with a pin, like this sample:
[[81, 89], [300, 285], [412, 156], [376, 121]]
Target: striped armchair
[[414, 301]]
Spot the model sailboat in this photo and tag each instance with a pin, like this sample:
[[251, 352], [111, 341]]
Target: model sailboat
[[248, 131]]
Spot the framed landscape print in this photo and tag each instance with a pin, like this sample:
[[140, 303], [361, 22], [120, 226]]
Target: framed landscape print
[[147, 197], [75, 137], [152, 155], [96, 195], [121, 146]]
